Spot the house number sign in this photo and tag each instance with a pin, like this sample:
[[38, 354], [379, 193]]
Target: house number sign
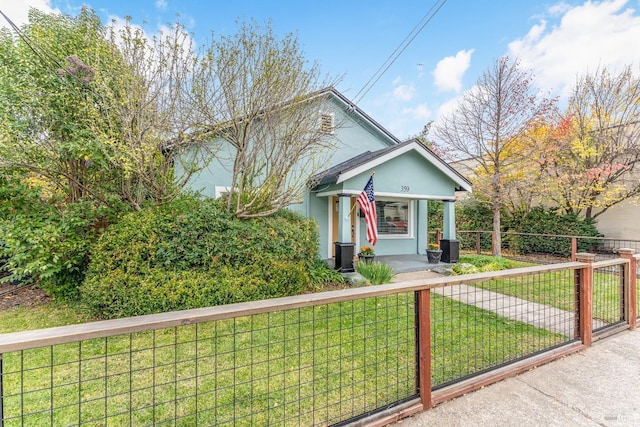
[[404, 188]]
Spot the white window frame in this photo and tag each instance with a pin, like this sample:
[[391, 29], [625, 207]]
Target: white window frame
[[221, 191], [410, 223]]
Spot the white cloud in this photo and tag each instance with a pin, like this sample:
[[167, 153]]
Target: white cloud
[[406, 122], [18, 11], [592, 35], [419, 112], [448, 107], [161, 4], [449, 71], [404, 92], [559, 9]]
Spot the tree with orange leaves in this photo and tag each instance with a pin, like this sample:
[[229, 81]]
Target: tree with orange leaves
[[591, 161]]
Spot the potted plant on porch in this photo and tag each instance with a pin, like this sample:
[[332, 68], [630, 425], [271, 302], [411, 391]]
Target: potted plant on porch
[[366, 254], [433, 253]]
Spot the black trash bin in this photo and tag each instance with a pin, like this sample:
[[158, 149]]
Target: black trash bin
[[344, 256], [450, 251]]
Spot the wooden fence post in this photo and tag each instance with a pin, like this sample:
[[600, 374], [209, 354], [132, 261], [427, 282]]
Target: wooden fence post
[[630, 287], [585, 298], [424, 347], [574, 248]]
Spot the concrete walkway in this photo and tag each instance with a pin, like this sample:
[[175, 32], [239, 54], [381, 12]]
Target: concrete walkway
[[599, 386], [539, 315]]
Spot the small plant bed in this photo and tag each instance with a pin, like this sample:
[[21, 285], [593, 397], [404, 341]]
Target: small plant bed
[[375, 272], [469, 264], [14, 296]]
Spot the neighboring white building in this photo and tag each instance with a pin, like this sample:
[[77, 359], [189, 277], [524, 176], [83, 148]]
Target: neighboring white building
[[622, 221]]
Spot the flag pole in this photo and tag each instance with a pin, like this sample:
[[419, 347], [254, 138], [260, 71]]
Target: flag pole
[[355, 204]]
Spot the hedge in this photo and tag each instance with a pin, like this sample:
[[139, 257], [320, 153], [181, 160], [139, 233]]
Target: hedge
[[192, 253]]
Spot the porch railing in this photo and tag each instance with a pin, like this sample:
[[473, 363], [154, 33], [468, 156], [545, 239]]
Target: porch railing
[[353, 356]]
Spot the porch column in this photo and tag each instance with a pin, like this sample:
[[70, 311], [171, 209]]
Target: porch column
[[449, 245], [449, 221], [422, 226], [344, 219], [344, 246]]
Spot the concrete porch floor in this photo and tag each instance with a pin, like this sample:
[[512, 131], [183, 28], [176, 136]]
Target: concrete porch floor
[[409, 263], [405, 263]]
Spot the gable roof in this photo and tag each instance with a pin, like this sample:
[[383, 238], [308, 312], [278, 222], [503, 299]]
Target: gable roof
[[354, 109], [368, 160]]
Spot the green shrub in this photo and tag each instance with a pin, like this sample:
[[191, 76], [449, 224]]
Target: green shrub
[[192, 253], [46, 241], [322, 275], [122, 294], [548, 221], [375, 272], [474, 216], [469, 264]]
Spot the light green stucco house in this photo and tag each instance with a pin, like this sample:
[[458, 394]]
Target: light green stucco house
[[407, 176]]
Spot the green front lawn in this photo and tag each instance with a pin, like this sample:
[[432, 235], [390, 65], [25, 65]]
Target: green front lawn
[[42, 316], [308, 366]]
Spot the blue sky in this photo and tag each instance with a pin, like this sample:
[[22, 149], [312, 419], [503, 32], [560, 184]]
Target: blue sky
[[558, 40]]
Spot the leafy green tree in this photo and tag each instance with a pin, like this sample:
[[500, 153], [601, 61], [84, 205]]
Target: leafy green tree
[[97, 113], [84, 133], [47, 105]]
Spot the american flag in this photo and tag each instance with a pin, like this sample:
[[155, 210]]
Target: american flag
[[368, 205]]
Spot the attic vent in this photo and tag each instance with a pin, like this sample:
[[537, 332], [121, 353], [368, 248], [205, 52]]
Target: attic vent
[[326, 123]]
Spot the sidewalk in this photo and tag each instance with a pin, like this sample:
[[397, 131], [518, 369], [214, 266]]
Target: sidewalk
[[599, 386]]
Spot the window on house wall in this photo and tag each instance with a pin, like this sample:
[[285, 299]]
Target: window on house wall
[[326, 123], [221, 191], [393, 217]]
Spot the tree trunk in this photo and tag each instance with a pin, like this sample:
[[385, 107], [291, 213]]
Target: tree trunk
[[496, 240]]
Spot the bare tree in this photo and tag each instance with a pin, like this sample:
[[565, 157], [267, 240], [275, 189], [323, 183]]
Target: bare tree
[[489, 125], [594, 158], [150, 118], [267, 99]]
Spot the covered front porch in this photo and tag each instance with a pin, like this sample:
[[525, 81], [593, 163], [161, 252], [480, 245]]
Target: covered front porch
[[407, 177]]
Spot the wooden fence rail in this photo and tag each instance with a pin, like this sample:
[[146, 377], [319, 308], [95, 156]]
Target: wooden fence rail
[[428, 292]]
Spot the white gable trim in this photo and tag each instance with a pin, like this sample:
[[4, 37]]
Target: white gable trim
[[435, 161], [401, 196]]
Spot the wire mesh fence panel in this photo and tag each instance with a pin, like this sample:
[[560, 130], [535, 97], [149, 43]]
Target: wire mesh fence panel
[[314, 365], [543, 248], [608, 296], [475, 241], [307, 360], [480, 326]]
